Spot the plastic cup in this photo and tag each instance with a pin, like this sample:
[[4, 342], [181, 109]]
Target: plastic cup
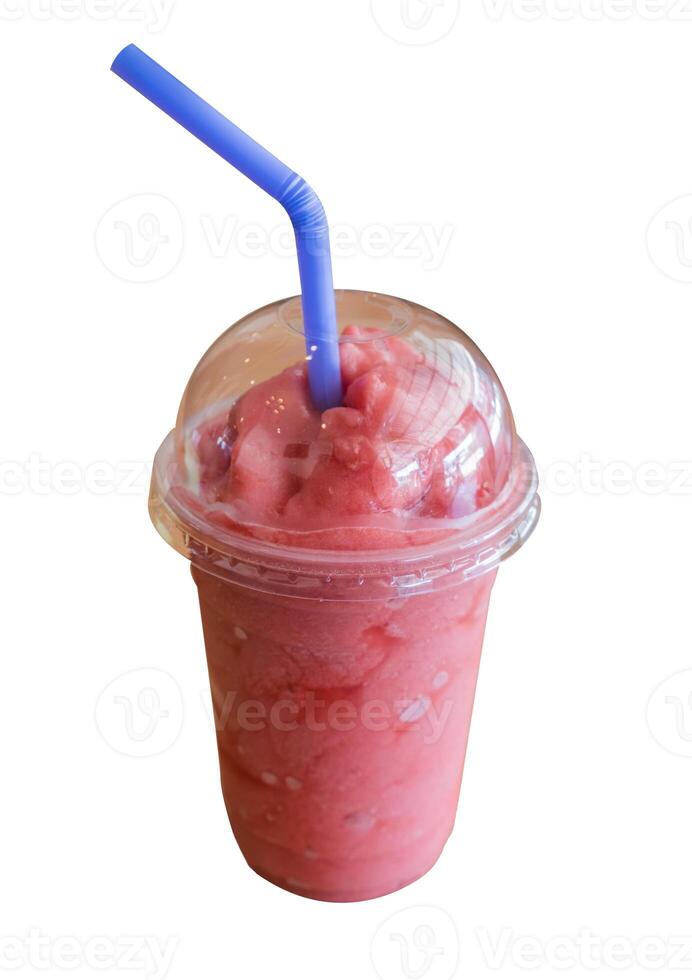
[[343, 654]]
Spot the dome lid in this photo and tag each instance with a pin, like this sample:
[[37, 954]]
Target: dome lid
[[421, 459]]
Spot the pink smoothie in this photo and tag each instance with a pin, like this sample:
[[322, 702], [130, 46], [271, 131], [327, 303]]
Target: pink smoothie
[[342, 730], [406, 449], [342, 722]]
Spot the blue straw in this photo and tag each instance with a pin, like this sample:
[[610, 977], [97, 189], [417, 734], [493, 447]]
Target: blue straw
[[300, 201]]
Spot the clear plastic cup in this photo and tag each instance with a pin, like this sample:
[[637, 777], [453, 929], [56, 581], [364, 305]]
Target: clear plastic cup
[[344, 564]]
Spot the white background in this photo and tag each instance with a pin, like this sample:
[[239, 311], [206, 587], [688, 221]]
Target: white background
[[544, 139]]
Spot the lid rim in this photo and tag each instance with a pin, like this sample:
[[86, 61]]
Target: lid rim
[[500, 530]]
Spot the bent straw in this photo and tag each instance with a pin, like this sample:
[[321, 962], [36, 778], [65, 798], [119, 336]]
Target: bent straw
[[283, 184]]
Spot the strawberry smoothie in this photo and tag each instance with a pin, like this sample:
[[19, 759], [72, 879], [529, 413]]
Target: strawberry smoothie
[[344, 562]]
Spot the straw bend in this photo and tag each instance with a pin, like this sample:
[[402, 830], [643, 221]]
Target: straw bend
[[303, 206], [299, 200]]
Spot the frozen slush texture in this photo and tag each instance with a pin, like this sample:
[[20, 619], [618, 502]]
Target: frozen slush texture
[[344, 562], [343, 783], [407, 445], [342, 730]]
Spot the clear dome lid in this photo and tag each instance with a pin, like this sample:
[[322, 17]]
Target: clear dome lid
[[421, 457]]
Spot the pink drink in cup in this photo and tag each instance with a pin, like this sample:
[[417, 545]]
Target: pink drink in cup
[[344, 512], [344, 562]]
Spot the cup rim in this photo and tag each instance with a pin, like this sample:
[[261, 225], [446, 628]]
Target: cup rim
[[472, 546]]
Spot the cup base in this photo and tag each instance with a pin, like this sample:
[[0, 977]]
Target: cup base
[[343, 898]]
